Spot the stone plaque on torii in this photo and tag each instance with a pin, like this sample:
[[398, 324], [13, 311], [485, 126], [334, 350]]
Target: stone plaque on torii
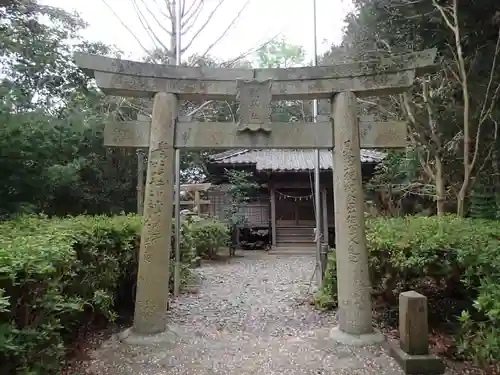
[[254, 89]]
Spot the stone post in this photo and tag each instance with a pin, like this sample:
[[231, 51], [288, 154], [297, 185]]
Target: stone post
[[413, 328], [354, 289], [324, 211], [273, 217], [412, 351], [154, 258], [196, 204], [324, 260]]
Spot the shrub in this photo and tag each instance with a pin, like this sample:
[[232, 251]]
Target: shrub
[[455, 257], [326, 296], [58, 275], [205, 236], [55, 275], [188, 250]]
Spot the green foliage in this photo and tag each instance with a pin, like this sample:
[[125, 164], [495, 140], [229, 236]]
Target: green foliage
[[326, 296], [435, 110], [204, 236], [37, 45], [241, 188], [458, 257], [51, 120], [482, 202], [396, 170], [280, 54], [48, 167], [58, 275]]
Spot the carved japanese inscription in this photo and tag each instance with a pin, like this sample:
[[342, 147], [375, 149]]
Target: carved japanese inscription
[[255, 105]]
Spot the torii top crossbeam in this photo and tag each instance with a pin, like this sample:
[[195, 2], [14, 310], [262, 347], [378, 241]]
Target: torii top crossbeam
[[387, 75]]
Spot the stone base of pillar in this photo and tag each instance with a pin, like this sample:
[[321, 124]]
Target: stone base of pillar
[[341, 337], [129, 337]]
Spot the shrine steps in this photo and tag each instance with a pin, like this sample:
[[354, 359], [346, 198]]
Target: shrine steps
[[294, 250], [295, 238]]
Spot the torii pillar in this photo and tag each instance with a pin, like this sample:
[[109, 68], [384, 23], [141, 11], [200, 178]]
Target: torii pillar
[[353, 280], [154, 257]]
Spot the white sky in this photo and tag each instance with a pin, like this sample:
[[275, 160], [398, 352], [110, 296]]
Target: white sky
[[260, 21]]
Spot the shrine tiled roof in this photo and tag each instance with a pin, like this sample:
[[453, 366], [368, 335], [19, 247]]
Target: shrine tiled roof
[[286, 159]]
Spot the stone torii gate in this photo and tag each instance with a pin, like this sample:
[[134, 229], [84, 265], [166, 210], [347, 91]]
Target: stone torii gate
[[254, 89]]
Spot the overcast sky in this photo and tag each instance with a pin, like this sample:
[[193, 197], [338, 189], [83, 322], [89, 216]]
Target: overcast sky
[[260, 21]]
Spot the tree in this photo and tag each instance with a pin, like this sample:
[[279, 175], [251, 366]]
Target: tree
[[241, 188], [158, 19], [280, 54], [51, 154], [474, 112], [453, 113]]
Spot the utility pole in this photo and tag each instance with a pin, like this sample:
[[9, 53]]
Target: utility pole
[[317, 163], [177, 192]]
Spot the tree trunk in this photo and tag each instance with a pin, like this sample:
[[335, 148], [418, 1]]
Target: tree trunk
[[461, 202], [440, 191]]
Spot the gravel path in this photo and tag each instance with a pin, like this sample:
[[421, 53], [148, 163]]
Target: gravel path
[[249, 317]]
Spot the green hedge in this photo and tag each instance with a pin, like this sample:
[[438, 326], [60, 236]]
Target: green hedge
[[204, 236], [57, 275], [450, 256]]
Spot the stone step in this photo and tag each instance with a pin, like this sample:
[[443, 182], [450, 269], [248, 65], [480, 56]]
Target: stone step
[[308, 230], [293, 250], [295, 233], [295, 244], [295, 230], [309, 236], [294, 237], [287, 241]]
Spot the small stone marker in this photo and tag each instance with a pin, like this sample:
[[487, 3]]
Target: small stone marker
[[412, 352], [413, 329]]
